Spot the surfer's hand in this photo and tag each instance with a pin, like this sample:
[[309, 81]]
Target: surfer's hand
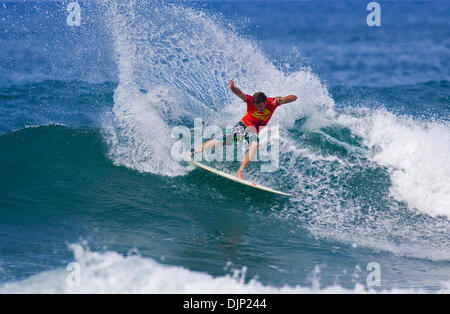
[[231, 84], [276, 100]]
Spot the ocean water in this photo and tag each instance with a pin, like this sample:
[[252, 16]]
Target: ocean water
[[88, 185]]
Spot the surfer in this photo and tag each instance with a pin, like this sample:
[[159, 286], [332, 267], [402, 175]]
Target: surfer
[[259, 111]]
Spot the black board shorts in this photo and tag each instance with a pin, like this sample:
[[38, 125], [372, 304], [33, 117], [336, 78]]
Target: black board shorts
[[239, 133]]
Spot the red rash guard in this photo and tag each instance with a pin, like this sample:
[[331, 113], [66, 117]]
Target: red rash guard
[[254, 117]]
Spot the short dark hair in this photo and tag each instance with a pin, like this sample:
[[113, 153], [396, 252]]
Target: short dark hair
[[259, 97]]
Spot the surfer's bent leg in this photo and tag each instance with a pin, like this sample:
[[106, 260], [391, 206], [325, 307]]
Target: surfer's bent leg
[[205, 146], [248, 157]]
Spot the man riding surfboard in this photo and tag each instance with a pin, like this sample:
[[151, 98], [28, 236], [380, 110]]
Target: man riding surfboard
[[259, 111]]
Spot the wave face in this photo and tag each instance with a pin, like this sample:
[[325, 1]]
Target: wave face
[[85, 142]]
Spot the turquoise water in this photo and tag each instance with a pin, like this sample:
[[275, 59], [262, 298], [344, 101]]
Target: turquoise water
[[87, 176]]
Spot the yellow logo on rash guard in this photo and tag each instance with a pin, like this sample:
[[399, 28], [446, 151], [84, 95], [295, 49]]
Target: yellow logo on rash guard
[[262, 115]]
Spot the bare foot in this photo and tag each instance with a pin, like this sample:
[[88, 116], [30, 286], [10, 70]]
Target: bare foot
[[240, 175]]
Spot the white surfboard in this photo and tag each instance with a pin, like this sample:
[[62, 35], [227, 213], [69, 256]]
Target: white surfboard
[[239, 180]]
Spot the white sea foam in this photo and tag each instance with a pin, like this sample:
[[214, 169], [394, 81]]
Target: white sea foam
[[329, 204], [110, 272], [417, 156]]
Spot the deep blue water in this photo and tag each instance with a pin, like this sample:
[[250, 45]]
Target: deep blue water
[[86, 173]]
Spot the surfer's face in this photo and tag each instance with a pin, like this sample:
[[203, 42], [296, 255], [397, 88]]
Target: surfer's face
[[261, 106], [259, 100]]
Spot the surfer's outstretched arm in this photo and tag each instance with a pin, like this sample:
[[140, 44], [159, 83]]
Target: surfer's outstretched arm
[[285, 100], [236, 90]]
